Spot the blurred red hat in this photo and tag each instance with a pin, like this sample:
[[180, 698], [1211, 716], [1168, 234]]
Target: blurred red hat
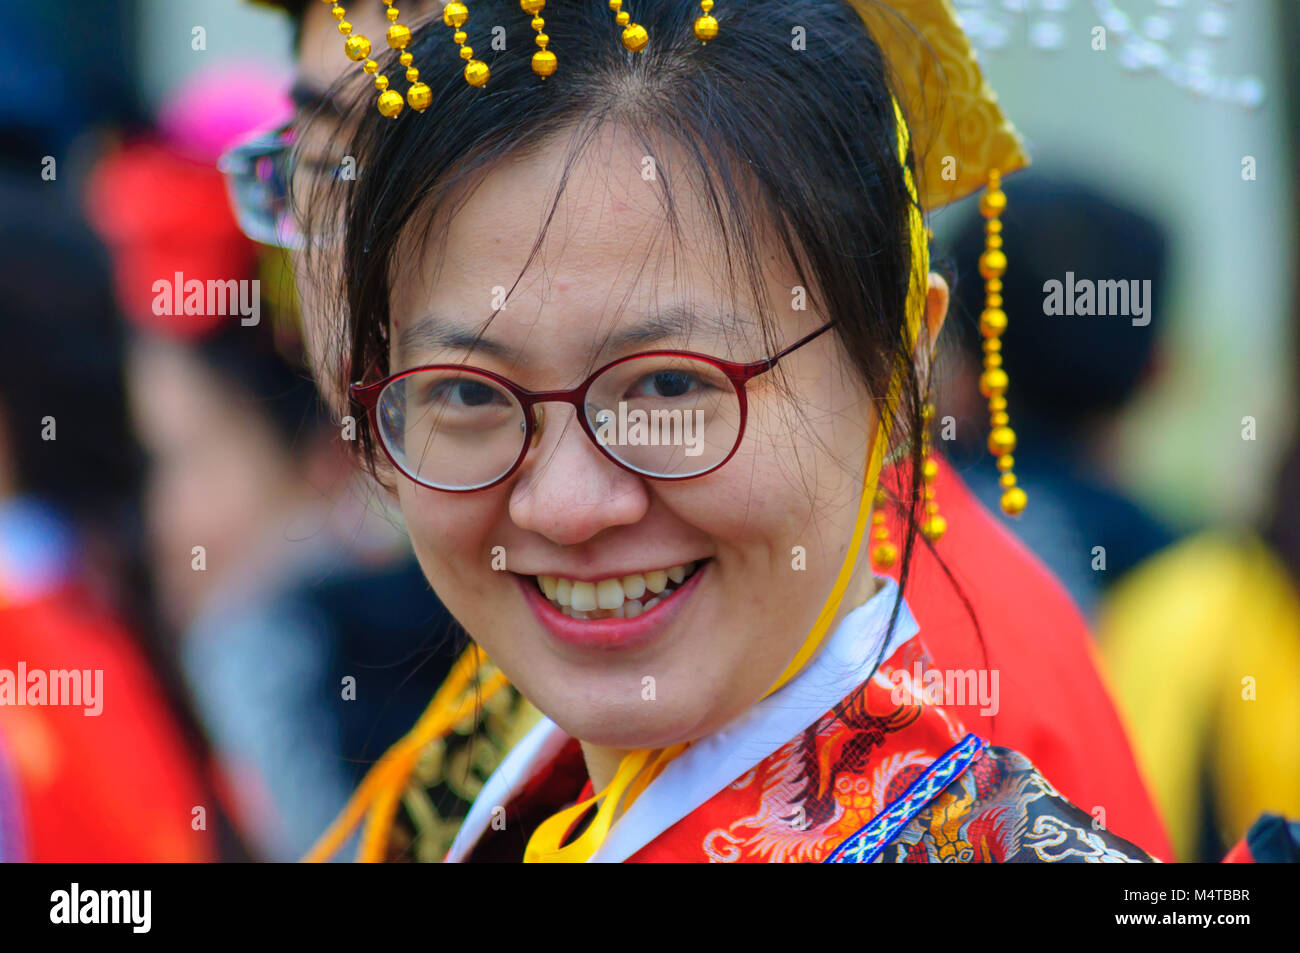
[[161, 205]]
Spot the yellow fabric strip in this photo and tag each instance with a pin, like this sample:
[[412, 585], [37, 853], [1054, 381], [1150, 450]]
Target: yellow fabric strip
[[380, 790]]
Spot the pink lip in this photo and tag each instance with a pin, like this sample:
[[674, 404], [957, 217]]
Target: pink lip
[[621, 634]]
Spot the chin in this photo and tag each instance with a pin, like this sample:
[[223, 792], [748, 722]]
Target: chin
[[630, 725]]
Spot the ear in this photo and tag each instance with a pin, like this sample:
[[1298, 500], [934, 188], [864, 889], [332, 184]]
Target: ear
[[936, 307], [936, 310]]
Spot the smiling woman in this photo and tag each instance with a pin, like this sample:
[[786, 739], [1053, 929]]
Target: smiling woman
[[699, 629]]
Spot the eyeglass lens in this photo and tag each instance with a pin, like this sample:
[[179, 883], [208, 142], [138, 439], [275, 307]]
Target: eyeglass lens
[[659, 415]]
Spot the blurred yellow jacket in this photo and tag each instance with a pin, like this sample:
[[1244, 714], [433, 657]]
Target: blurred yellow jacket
[[1202, 647]]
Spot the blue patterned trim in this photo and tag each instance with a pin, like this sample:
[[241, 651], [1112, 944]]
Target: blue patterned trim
[[864, 846]]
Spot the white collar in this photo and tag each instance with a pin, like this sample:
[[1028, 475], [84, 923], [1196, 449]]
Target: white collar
[[714, 761]]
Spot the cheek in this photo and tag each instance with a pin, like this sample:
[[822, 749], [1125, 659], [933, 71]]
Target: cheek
[[796, 480], [453, 538]]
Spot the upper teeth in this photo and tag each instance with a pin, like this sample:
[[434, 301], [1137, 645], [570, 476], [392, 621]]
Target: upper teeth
[[610, 593]]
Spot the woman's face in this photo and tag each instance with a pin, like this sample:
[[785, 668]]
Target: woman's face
[[768, 532]]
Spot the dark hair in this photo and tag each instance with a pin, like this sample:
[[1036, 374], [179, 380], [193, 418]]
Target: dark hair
[[274, 385], [62, 356], [800, 141]]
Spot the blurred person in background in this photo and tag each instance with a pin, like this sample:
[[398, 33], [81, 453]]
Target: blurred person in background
[[129, 783], [1203, 640], [1201, 637], [307, 634], [1074, 375]]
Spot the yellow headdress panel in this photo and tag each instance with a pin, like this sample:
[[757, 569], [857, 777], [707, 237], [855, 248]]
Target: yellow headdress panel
[[958, 128]]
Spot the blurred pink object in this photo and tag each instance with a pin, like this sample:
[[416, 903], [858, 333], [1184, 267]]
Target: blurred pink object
[[218, 106]]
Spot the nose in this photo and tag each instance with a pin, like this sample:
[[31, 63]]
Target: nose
[[568, 491]]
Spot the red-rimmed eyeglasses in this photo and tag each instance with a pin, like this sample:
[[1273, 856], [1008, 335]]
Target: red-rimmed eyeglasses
[[667, 415]]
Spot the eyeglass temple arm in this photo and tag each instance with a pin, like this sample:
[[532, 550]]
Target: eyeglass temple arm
[[762, 367]]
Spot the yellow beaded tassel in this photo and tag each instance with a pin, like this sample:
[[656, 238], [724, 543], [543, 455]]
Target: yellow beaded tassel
[[454, 15], [934, 525], [357, 48], [543, 60], [884, 553], [993, 321], [635, 36], [706, 27]]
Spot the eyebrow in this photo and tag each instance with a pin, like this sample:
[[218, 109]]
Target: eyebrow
[[308, 98], [433, 332]]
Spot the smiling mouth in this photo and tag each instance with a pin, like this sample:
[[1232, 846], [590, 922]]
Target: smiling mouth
[[623, 597]]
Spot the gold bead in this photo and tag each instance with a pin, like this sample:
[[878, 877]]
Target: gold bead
[[884, 555], [993, 264], [455, 14], [1013, 501], [623, 18], [993, 383], [412, 75], [419, 96], [1007, 480], [992, 360], [356, 47], [997, 403], [706, 28], [345, 27], [994, 241], [993, 300], [339, 12], [542, 39], [993, 227], [532, 6], [544, 63], [993, 203], [1006, 462], [706, 5], [1002, 441], [381, 83], [538, 24], [993, 322], [635, 37], [399, 36], [993, 285], [467, 52], [616, 5], [992, 345], [406, 59], [371, 67], [459, 37], [390, 102], [392, 14], [934, 528], [476, 72], [999, 419]]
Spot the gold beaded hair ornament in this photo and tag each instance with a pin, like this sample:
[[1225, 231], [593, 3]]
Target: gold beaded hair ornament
[[967, 149], [456, 15]]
